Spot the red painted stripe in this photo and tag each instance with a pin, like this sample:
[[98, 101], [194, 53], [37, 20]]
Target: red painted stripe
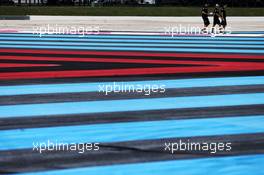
[[208, 66], [111, 60], [10, 65], [123, 60], [149, 54], [132, 71]]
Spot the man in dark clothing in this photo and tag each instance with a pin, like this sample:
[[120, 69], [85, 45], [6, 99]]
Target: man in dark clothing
[[223, 16], [205, 16], [216, 15]]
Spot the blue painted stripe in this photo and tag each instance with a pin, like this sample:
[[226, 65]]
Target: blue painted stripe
[[216, 45], [137, 36], [234, 165], [93, 87], [169, 40], [130, 105], [192, 50], [116, 132]]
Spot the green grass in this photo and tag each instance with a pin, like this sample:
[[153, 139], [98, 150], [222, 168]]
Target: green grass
[[121, 11]]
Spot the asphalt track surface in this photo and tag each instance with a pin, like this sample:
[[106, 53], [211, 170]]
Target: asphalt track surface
[[51, 89]]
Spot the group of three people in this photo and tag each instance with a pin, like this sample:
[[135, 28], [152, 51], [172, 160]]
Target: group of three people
[[219, 17]]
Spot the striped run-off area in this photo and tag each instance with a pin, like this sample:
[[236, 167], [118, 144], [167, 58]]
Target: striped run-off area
[[194, 89]]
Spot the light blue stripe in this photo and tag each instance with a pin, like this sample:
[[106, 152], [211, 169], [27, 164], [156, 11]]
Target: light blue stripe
[[80, 39], [130, 105], [137, 36], [92, 87], [216, 45], [196, 50], [233, 165], [116, 132]]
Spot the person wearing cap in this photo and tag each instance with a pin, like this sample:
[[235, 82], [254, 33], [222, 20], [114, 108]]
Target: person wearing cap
[[216, 16], [223, 16], [205, 16]]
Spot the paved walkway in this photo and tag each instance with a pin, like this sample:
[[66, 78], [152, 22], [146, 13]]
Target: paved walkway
[[128, 23]]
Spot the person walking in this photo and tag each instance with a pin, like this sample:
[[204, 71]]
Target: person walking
[[216, 16], [205, 17], [223, 17]]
